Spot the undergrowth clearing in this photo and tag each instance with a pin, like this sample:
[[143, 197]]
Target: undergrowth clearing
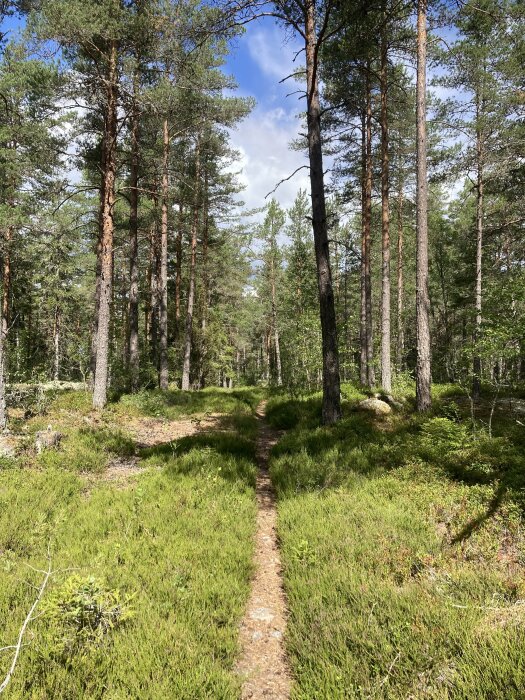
[[403, 552], [402, 545], [150, 581]]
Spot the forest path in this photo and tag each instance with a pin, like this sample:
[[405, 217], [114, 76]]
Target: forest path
[[263, 664]]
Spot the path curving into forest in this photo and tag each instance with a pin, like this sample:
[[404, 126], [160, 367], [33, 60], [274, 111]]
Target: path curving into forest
[[263, 663]]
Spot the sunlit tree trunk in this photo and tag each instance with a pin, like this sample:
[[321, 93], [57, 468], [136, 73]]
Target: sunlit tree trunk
[[163, 279], [56, 344], [278, 367], [423, 398], [178, 269], [186, 368], [363, 340], [476, 381], [386, 369], [331, 407], [133, 337], [371, 377], [400, 279], [106, 267]]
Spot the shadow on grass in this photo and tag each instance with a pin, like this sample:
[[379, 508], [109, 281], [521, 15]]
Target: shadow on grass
[[220, 454], [312, 457], [173, 403]]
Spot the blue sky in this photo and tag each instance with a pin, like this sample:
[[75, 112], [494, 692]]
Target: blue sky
[[259, 60]]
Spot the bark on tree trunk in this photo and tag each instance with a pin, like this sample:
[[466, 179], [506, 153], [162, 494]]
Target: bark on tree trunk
[[186, 368], [106, 268], [133, 338], [386, 369], [371, 375], [56, 344], [363, 338], [152, 306], [178, 269], [6, 288], [331, 407], [163, 280], [278, 367], [476, 379], [98, 272], [205, 283], [400, 280], [3, 412], [423, 375]]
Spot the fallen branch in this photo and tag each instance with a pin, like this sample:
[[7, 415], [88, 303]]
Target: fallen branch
[[18, 646]]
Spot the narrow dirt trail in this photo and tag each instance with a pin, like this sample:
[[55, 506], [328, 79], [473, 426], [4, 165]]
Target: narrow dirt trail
[[263, 664]]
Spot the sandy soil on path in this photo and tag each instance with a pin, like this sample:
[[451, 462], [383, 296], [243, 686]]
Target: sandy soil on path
[[263, 664]]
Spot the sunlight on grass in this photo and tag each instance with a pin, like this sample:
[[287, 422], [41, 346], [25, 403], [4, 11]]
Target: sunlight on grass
[[403, 555], [166, 562]]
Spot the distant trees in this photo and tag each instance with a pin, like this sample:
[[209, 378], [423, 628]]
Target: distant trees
[[137, 271]]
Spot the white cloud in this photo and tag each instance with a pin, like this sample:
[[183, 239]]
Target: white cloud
[[272, 53], [263, 140]]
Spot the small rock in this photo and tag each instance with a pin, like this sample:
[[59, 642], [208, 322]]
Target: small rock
[[391, 401], [47, 439], [262, 614], [8, 445], [375, 406]]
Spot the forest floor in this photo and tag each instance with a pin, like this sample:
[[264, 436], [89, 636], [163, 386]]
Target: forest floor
[[400, 539]]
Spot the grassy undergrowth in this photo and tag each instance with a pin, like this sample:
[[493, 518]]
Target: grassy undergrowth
[[176, 404], [151, 577], [403, 553]]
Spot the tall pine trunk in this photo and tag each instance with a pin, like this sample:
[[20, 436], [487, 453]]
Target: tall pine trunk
[[476, 379], [163, 278], [205, 282], [56, 344], [371, 375], [178, 269], [386, 369], [423, 375], [278, 366], [6, 288], [106, 253], [331, 407], [363, 340], [133, 337], [400, 278], [3, 411], [186, 367]]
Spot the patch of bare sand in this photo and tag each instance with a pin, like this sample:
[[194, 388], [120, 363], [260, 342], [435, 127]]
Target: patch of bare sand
[[149, 432]]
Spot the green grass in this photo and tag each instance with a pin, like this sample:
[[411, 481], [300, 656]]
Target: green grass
[[403, 554], [175, 404], [402, 544], [164, 559]]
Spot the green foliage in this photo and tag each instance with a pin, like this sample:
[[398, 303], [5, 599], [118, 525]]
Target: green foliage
[[401, 543], [441, 433], [83, 611], [174, 404], [177, 539], [88, 450]]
